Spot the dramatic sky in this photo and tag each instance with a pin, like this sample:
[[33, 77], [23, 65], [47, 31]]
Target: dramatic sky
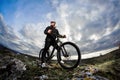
[[92, 24]]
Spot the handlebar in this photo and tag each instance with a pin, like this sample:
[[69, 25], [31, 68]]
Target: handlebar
[[58, 40]]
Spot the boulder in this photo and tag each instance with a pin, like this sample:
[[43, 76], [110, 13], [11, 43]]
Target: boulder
[[11, 69]]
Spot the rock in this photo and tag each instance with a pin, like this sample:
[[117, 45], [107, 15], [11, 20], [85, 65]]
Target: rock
[[100, 78], [11, 68], [87, 74], [42, 77], [20, 66]]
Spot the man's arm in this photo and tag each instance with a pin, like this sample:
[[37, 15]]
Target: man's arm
[[47, 30], [59, 35]]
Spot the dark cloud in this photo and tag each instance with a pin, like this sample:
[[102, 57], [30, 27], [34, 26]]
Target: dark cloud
[[12, 40]]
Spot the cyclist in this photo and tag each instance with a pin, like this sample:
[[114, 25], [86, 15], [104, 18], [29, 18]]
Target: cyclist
[[52, 33]]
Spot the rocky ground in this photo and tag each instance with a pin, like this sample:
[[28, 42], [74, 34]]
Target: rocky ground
[[14, 66]]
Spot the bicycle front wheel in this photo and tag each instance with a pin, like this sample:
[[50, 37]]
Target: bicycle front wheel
[[69, 55]]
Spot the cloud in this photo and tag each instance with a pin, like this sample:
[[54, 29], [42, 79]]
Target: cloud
[[1, 17], [62, 12], [90, 22], [34, 34], [10, 39], [87, 23], [55, 2], [49, 16], [93, 25], [94, 37]]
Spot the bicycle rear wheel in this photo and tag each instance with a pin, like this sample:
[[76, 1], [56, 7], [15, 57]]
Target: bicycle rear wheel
[[41, 52], [69, 55]]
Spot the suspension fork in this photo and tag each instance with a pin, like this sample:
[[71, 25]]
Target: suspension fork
[[64, 52]]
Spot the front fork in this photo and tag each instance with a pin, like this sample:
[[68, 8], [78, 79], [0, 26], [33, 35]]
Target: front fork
[[64, 52]]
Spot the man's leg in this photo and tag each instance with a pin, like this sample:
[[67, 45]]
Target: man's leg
[[54, 44], [47, 45]]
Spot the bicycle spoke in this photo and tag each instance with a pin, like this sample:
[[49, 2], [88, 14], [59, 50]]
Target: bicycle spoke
[[69, 55]]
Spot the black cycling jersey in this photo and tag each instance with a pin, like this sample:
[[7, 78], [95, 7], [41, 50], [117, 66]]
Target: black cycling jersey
[[53, 34]]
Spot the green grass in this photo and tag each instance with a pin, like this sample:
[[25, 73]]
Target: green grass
[[108, 66]]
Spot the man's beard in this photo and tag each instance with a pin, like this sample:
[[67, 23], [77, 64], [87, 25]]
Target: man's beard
[[53, 26]]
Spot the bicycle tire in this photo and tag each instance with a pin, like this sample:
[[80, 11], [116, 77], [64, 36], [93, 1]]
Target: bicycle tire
[[78, 52], [40, 54]]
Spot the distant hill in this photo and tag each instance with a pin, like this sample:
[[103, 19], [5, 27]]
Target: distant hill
[[10, 51], [102, 58], [109, 64]]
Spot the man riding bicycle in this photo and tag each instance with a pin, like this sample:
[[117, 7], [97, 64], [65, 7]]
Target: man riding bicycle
[[52, 33]]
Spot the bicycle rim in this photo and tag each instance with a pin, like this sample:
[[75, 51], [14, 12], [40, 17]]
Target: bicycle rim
[[69, 55], [46, 56]]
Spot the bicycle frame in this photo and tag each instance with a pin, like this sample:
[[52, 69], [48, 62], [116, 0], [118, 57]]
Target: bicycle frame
[[51, 54]]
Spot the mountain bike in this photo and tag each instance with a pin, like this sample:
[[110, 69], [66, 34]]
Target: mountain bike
[[68, 55]]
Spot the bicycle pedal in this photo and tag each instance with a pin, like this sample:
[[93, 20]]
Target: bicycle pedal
[[66, 55]]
